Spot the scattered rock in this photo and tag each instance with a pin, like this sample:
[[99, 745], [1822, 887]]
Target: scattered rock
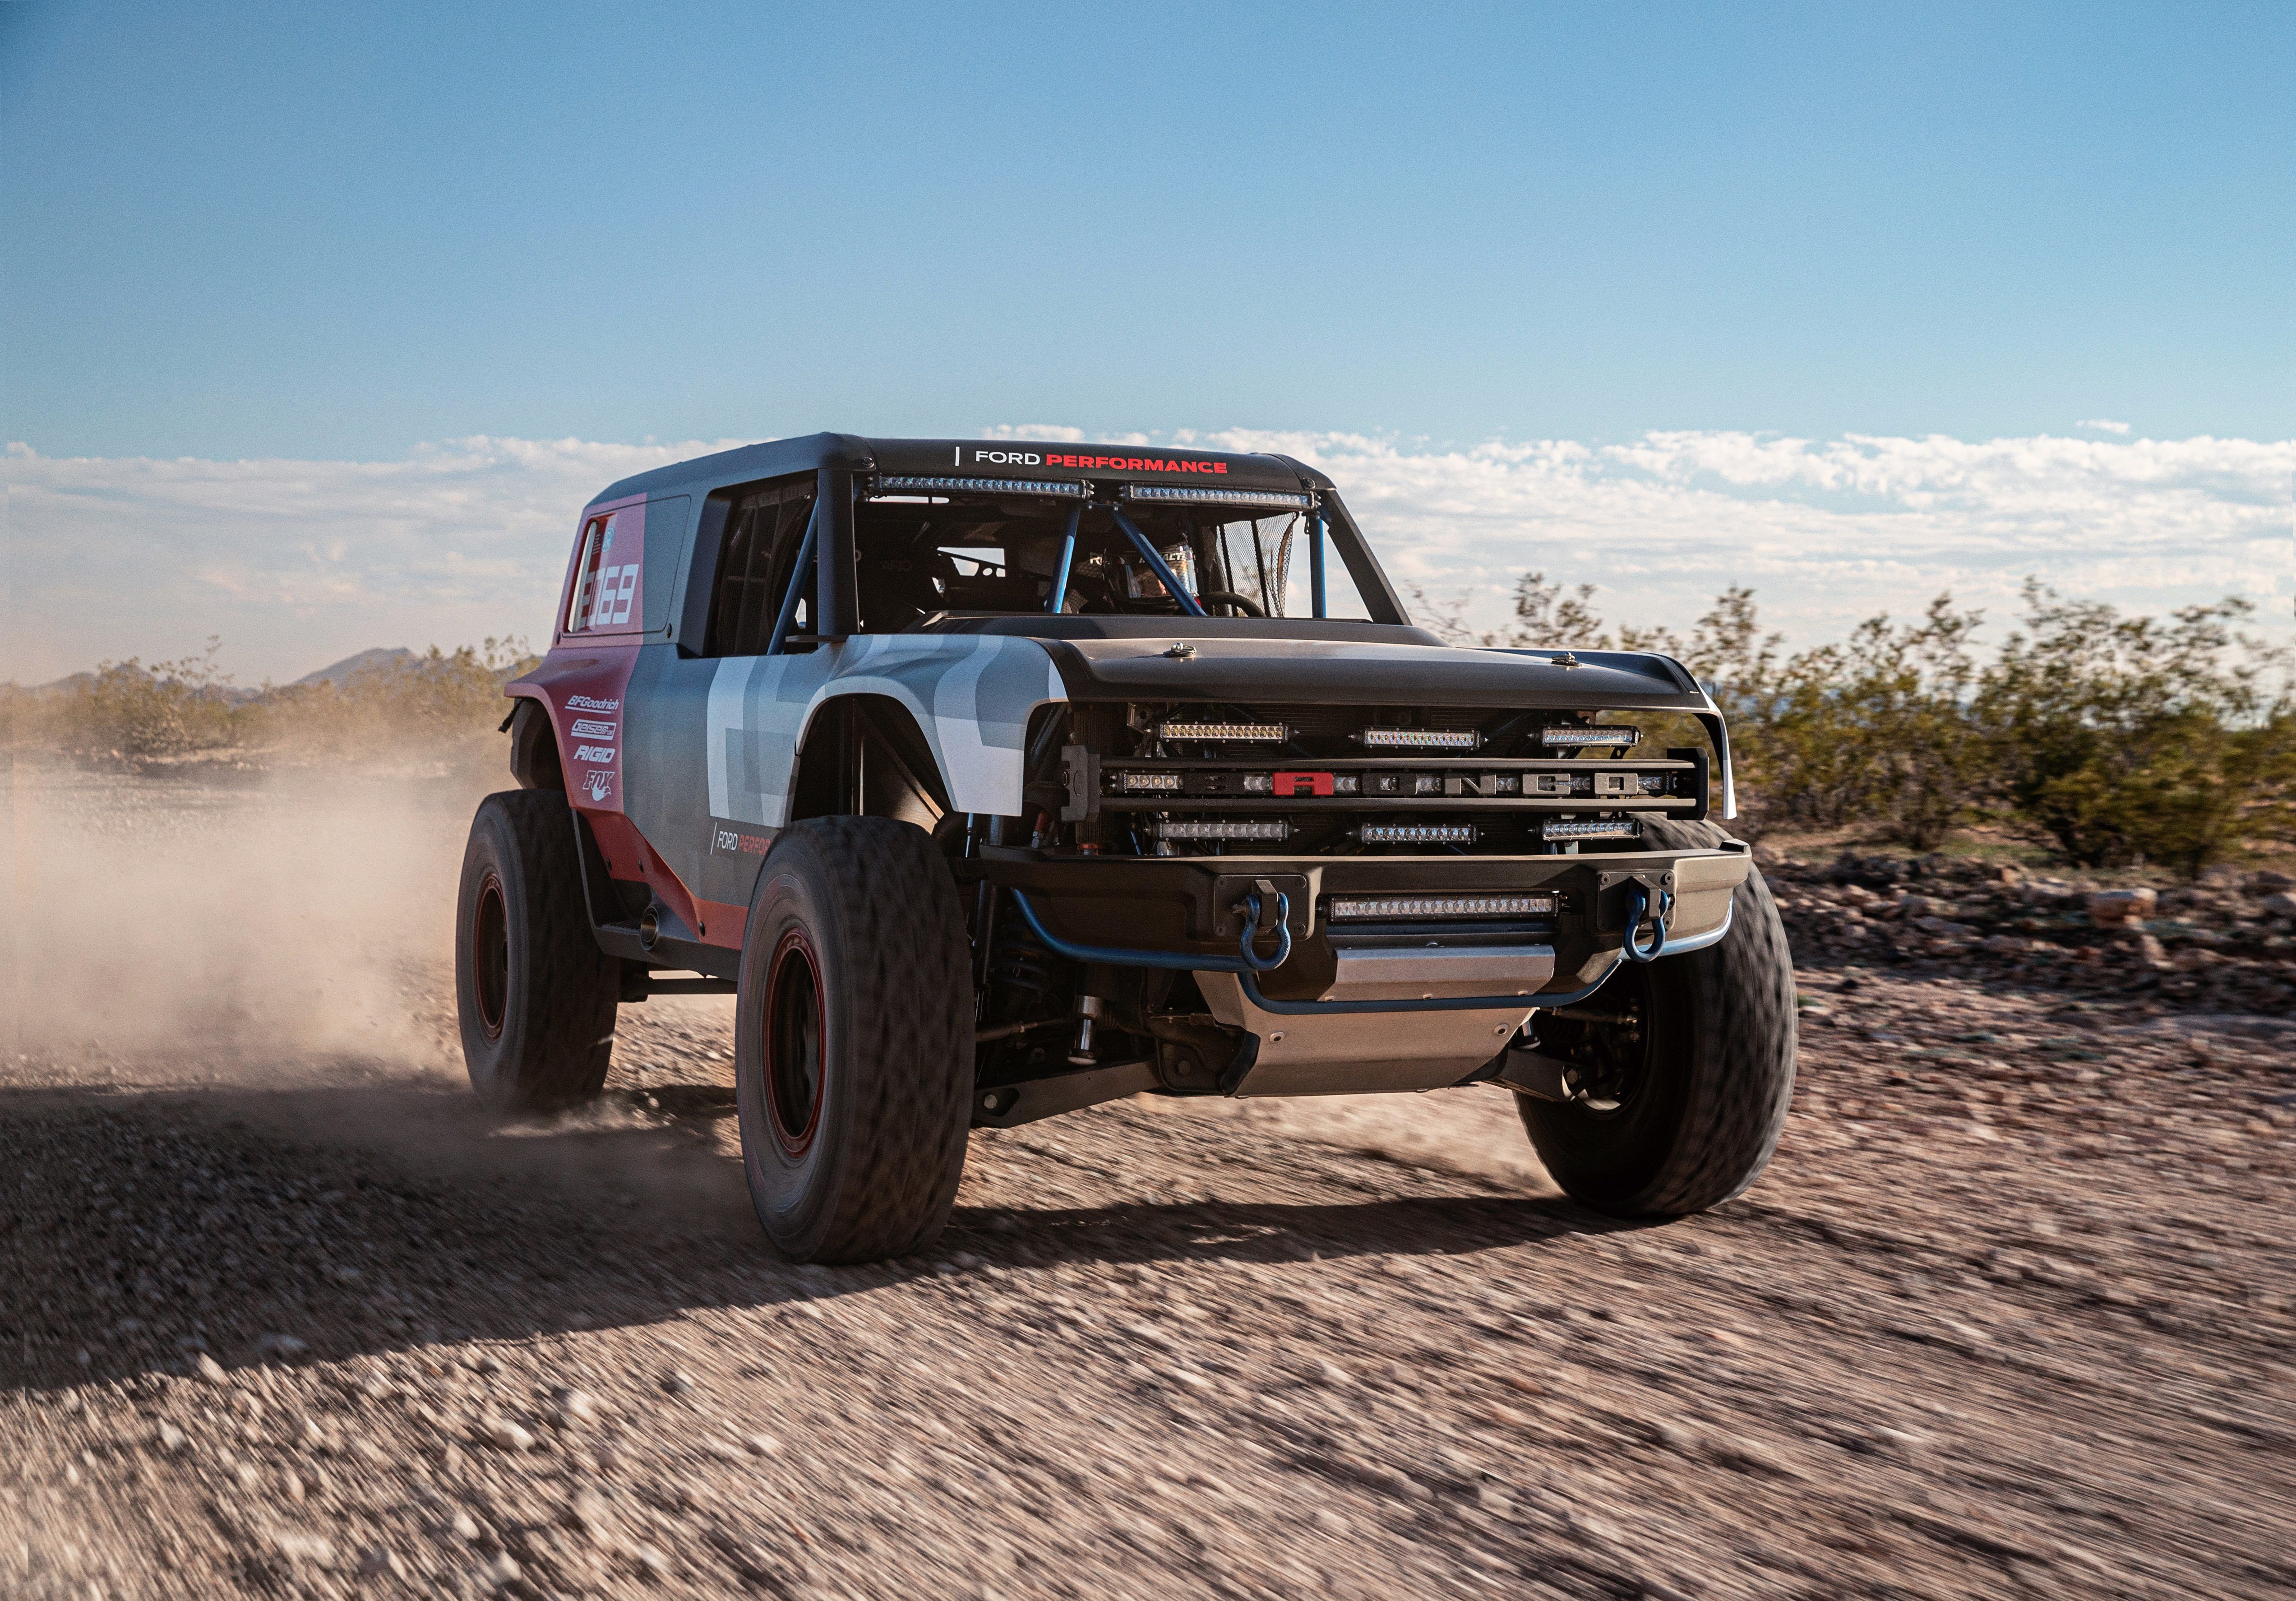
[[505, 1435], [208, 1369], [676, 1383], [2114, 909]]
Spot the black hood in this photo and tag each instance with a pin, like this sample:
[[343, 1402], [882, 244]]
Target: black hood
[[1404, 668]]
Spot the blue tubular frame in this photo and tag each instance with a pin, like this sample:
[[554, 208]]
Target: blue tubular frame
[[1118, 957], [1060, 590], [1248, 971], [806, 556], [1164, 575], [1316, 559]]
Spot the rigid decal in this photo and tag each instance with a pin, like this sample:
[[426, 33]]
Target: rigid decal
[[593, 752]]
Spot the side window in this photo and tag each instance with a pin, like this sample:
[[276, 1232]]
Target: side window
[[763, 535], [605, 589]]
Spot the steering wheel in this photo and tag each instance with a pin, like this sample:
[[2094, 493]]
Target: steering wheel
[[1229, 598]]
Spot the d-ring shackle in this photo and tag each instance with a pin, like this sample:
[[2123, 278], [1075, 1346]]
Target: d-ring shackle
[[1251, 959], [1639, 907]]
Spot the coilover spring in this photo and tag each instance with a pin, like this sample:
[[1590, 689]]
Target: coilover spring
[[1022, 981]]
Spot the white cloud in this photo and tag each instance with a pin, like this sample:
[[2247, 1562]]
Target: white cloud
[[296, 564], [2103, 425]]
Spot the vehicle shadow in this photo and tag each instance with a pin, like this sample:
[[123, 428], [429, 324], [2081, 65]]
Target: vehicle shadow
[[139, 1229]]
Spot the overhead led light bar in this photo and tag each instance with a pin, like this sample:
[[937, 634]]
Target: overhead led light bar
[[1137, 783], [1590, 828], [1355, 906], [1421, 739], [1268, 497], [980, 486], [1223, 828], [1417, 833], [1565, 738], [1267, 734]]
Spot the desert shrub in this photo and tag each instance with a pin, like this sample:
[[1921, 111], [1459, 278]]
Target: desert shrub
[[434, 704], [127, 710], [428, 702], [2129, 739], [2117, 739]]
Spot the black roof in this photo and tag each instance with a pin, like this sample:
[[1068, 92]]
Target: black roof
[[971, 458]]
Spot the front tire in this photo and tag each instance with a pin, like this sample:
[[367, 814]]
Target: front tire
[[1681, 1106], [534, 993], [853, 1053]]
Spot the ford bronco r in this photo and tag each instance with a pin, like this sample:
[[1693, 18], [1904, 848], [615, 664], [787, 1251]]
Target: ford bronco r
[[998, 780]]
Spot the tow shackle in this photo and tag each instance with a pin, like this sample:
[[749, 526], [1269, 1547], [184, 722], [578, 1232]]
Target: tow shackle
[[1639, 907]]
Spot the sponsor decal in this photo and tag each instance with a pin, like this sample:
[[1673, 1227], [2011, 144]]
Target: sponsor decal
[[1135, 464], [585, 703], [598, 784], [590, 728], [1109, 464], [593, 752], [733, 842]]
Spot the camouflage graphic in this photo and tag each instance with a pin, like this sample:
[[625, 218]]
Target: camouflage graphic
[[971, 697]]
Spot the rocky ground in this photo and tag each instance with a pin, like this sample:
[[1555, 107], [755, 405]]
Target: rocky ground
[[2012, 1312]]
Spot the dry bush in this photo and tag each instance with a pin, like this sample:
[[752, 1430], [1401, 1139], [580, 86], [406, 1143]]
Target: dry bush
[[2117, 740], [433, 707]]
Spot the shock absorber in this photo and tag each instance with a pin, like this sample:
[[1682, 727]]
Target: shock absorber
[[1023, 981]]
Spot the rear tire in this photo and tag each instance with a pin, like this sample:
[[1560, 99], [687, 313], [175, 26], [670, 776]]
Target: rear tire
[[853, 1052], [1707, 1082], [534, 993]]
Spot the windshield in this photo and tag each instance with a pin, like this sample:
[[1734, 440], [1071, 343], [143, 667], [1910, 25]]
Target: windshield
[[925, 555]]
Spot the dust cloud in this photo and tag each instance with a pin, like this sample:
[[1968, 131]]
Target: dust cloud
[[244, 925]]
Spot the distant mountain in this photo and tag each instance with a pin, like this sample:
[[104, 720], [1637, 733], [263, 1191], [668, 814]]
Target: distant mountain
[[341, 671]]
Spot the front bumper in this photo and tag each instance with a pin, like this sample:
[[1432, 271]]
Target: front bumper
[[1179, 907]]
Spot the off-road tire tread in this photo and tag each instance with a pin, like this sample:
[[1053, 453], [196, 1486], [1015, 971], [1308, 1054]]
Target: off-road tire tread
[[572, 986], [1737, 1113], [908, 1059], [1742, 1017]]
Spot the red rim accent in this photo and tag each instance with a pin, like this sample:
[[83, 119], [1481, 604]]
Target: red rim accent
[[490, 955], [795, 1009]]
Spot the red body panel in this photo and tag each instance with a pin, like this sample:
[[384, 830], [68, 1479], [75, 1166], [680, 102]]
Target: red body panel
[[584, 685]]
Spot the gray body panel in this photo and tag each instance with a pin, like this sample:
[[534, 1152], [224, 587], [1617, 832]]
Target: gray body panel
[[713, 742]]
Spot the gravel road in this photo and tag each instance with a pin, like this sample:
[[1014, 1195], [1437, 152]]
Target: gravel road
[[281, 1313]]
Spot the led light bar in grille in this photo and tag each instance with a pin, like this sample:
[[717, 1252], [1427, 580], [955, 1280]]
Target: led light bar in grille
[[1441, 905], [1271, 498], [1417, 833], [1565, 739], [1591, 828], [1135, 783], [1271, 733], [1422, 739], [978, 486], [1223, 828]]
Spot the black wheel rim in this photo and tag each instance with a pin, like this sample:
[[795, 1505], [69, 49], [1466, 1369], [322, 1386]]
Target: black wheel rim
[[794, 1060], [490, 956], [1608, 1045]]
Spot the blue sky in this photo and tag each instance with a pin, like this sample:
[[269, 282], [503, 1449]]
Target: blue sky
[[335, 232]]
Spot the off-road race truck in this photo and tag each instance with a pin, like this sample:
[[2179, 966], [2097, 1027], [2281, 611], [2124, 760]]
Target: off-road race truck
[[1001, 779]]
